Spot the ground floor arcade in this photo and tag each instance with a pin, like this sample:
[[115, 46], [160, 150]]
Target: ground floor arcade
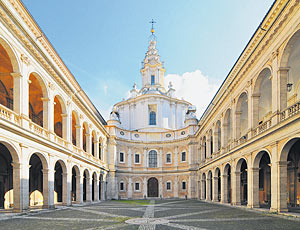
[[35, 179], [268, 178]]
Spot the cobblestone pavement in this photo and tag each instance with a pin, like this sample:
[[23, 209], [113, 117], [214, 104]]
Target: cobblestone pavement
[[144, 215]]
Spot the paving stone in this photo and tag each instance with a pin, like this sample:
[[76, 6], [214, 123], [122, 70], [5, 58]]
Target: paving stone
[[157, 215]]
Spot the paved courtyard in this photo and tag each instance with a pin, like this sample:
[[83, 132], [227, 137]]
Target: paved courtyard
[[142, 215]]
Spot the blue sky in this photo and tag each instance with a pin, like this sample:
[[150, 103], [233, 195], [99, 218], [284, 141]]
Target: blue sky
[[104, 41]]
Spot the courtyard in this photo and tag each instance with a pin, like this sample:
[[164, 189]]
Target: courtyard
[[147, 214]]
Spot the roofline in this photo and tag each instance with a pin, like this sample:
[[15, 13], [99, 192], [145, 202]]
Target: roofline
[[98, 114], [251, 39]]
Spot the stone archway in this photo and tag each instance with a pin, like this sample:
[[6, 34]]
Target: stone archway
[[152, 187], [6, 178]]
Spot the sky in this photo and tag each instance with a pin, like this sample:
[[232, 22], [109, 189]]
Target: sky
[[103, 42]]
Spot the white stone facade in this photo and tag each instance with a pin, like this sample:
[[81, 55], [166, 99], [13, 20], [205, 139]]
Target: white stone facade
[[55, 148]]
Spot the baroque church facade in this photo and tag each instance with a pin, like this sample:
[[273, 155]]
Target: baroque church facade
[[56, 148]]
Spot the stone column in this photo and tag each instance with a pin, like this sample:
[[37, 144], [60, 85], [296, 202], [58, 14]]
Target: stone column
[[282, 87], [96, 148], [160, 158], [215, 139], [253, 188], [112, 189], [88, 143], [275, 88], [145, 187], [145, 159], [236, 188], [215, 189], [65, 127], [96, 189], [176, 157], [234, 123], [129, 191], [255, 101], [222, 134], [89, 188], [208, 189], [24, 192], [176, 186], [159, 120], [104, 152], [19, 94], [66, 190], [79, 189], [282, 182], [238, 125], [46, 114], [48, 188], [172, 120], [275, 195], [17, 187], [160, 188], [224, 189], [208, 147], [79, 141], [129, 163], [250, 109]]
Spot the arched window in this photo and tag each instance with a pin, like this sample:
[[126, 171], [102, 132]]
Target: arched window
[[152, 118], [152, 159]]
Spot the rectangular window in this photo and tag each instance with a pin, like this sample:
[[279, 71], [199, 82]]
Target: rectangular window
[[168, 185], [183, 185], [121, 157], [121, 186], [183, 156], [168, 158], [137, 187], [137, 158], [152, 80]]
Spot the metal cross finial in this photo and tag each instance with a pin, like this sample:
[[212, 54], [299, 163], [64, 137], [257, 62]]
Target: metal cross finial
[[152, 29]]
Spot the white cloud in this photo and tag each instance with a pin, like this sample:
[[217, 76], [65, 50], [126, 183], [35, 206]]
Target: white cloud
[[194, 87]]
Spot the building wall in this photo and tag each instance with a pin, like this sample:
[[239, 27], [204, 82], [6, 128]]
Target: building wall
[[36, 66], [273, 135]]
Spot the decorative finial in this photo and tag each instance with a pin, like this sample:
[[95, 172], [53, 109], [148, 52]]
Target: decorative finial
[[134, 86], [170, 86], [152, 28]]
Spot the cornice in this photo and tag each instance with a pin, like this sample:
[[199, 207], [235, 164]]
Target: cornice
[[145, 96], [259, 42], [69, 84]]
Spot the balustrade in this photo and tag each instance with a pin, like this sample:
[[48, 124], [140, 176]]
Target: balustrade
[[290, 111]]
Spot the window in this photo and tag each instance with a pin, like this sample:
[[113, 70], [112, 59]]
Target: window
[[168, 158], [152, 80], [152, 159], [121, 186], [121, 158], [168, 185], [137, 186], [183, 156], [152, 118], [183, 185], [137, 158]]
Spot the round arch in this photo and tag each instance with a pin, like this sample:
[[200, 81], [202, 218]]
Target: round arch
[[152, 186], [11, 54], [75, 184], [86, 185], [41, 81]]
